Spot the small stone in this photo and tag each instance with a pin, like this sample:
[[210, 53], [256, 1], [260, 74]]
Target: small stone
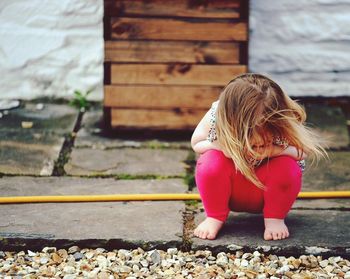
[[172, 251], [155, 256], [144, 263], [31, 254], [246, 255], [244, 263], [251, 274], [69, 269], [296, 263], [69, 276], [261, 276], [124, 254], [222, 259], [103, 275], [111, 256], [89, 255], [56, 258], [256, 254], [135, 268], [39, 106], [329, 268], [73, 249], [234, 247], [324, 263], [63, 253], [78, 256], [100, 250], [125, 269], [283, 269], [102, 261], [169, 272], [44, 260], [265, 248], [49, 249], [27, 124]]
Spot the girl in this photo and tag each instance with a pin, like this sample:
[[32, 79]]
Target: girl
[[252, 144]]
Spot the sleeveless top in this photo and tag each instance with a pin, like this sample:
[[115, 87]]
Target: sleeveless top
[[212, 136]]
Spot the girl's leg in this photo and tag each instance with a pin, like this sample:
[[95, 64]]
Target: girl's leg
[[213, 179], [282, 179], [283, 184]]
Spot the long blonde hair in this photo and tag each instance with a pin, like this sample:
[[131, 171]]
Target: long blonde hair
[[253, 104]]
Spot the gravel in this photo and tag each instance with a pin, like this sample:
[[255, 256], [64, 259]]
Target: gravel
[[173, 263]]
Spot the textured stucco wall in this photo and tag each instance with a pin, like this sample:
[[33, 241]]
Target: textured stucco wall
[[303, 44], [50, 47]]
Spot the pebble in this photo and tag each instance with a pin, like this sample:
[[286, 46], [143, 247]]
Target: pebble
[[78, 256], [172, 263]]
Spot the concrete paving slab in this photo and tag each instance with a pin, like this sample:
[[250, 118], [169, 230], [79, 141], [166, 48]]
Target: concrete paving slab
[[33, 151], [41, 186], [96, 224], [108, 224], [59, 118], [330, 122], [92, 135], [28, 153], [163, 162], [329, 175], [311, 232]]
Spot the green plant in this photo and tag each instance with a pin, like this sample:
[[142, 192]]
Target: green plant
[[80, 100]]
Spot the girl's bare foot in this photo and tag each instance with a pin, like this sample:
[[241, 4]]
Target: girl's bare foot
[[208, 229], [275, 229]]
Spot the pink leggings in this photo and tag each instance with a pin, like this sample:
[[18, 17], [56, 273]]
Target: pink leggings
[[222, 188]]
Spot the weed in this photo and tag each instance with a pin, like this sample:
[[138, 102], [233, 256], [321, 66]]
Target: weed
[[80, 100]]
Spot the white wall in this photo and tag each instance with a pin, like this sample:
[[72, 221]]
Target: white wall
[[50, 48], [302, 44]]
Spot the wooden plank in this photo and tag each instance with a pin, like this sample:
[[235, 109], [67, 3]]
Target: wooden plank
[[156, 119], [160, 97], [166, 52], [181, 8], [175, 74], [177, 29]]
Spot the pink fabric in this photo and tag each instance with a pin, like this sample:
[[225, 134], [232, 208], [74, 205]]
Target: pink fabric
[[222, 188]]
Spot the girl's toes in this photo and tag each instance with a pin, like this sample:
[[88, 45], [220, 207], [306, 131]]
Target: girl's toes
[[210, 236], [267, 235], [274, 236]]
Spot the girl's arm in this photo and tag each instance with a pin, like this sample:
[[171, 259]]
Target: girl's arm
[[204, 145], [199, 141], [291, 151]]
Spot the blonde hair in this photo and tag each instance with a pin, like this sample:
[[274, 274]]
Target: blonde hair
[[252, 104]]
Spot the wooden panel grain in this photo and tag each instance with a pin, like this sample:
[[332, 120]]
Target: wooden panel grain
[[177, 29], [181, 8], [156, 119], [160, 97], [165, 52], [175, 74]]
